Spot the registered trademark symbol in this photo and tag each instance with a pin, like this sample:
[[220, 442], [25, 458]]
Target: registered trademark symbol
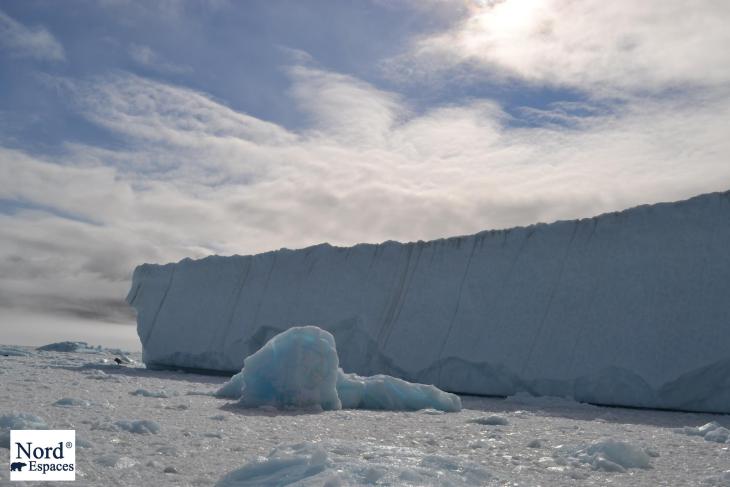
[[68, 444]]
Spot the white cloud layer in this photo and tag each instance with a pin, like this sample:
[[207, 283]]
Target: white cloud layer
[[603, 47], [30, 42], [149, 58], [197, 177]]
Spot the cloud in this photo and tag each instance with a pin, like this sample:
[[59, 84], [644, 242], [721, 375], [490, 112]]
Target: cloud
[[604, 48], [196, 177], [35, 43], [147, 57]]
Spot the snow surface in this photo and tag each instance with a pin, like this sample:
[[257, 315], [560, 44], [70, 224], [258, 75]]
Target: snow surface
[[204, 440], [300, 368], [627, 308]]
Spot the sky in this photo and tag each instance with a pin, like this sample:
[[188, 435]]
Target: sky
[[136, 131]]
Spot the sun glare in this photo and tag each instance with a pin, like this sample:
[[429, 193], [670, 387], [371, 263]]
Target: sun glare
[[496, 22]]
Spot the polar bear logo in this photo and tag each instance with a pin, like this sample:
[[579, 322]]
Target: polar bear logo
[[17, 466]]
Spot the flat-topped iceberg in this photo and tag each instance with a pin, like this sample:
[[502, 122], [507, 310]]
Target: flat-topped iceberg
[[299, 368], [628, 308]]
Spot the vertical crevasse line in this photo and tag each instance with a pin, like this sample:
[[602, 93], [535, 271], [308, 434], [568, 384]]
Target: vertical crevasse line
[[589, 304], [554, 290], [403, 294], [237, 297], [440, 355], [395, 296], [159, 308], [265, 291]]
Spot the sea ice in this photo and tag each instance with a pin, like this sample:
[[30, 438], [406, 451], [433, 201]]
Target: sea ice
[[299, 368]]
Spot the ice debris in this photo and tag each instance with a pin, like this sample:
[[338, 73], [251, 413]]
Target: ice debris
[[10, 351], [300, 368], [112, 460], [613, 455], [712, 431], [140, 426], [286, 467], [492, 420], [393, 394], [722, 480], [157, 394], [333, 465], [18, 421], [69, 347], [69, 402]]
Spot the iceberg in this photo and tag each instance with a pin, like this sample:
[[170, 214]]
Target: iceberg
[[628, 308], [299, 368]]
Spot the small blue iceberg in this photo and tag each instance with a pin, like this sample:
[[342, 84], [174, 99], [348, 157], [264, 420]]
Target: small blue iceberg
[[299, 368]]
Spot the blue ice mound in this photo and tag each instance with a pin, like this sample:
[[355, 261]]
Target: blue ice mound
[[299, 368], [393, 394], [70, 347]]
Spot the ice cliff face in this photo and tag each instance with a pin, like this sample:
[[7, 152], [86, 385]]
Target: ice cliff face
[[629, 308]]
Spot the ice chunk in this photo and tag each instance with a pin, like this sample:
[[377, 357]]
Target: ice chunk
[[712, 431], [536, 443], [157, 394], [9, 351], [492, 420], [233, 388], [299, 368], [718, 435], [71, 402], [68, 347], [112, 460], [385, 392], [82, 443], [140, 426], [722, 480], [325, 464], [707, 427], [613, 455], [280, 468], [18, 421]]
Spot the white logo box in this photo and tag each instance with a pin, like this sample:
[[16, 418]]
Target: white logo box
[[42, 455]]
